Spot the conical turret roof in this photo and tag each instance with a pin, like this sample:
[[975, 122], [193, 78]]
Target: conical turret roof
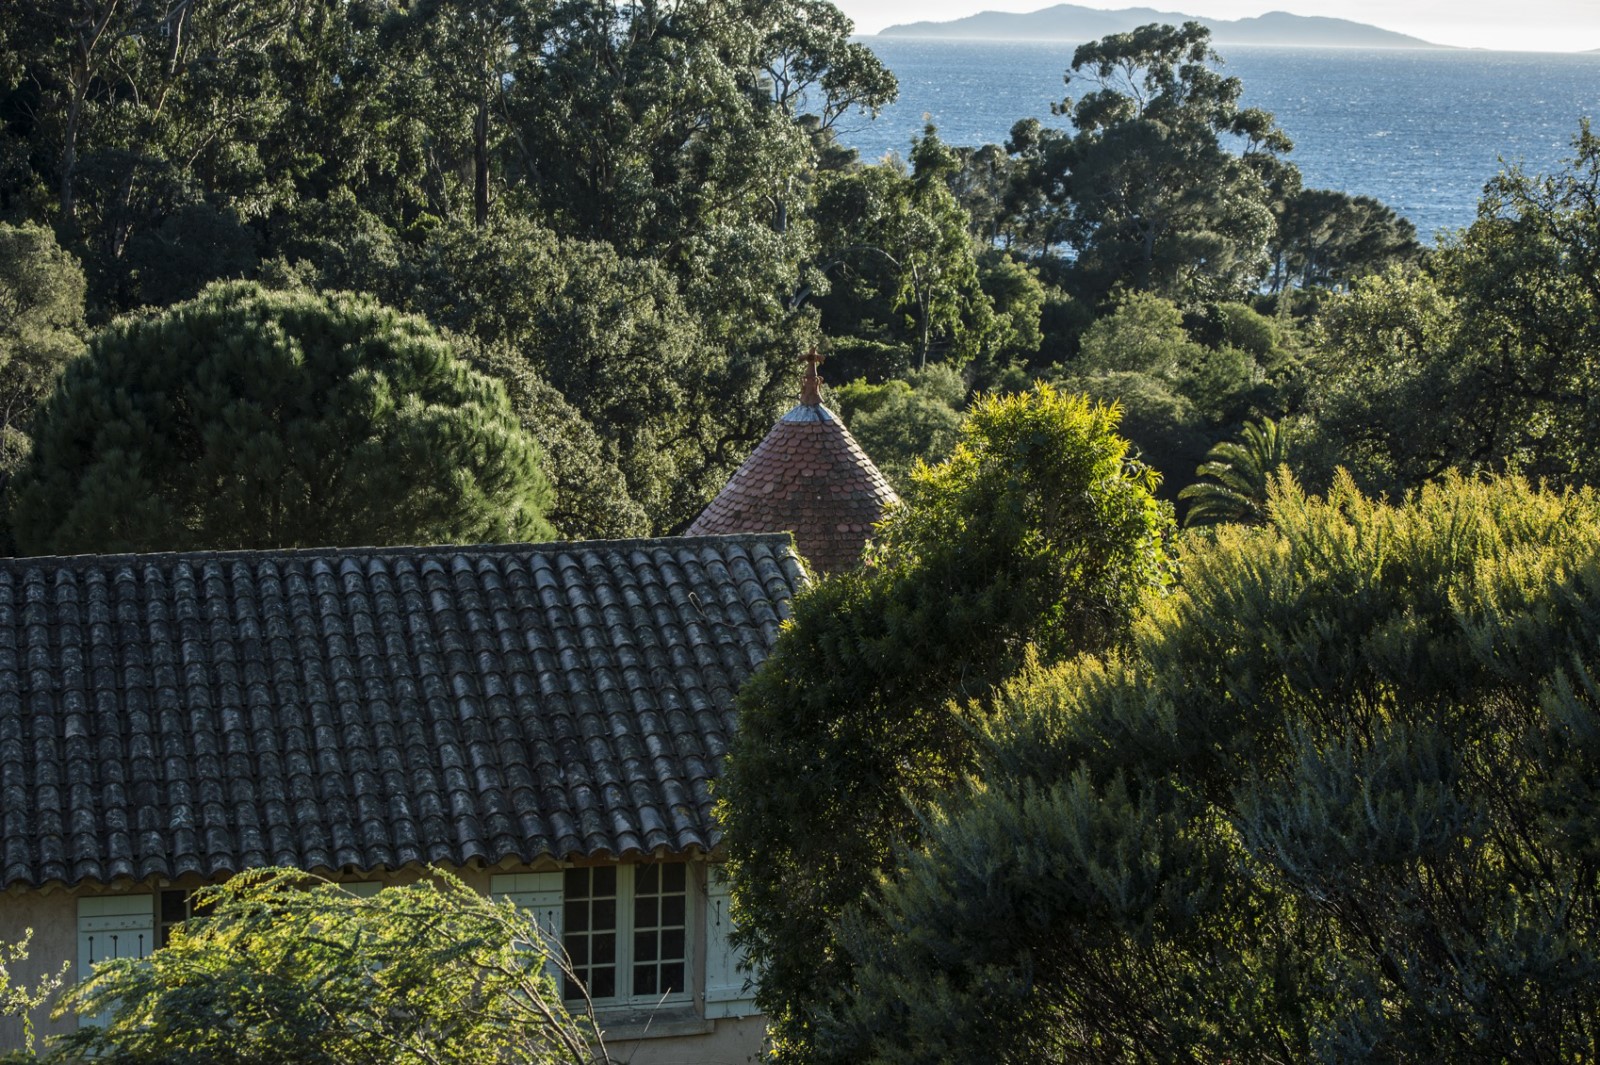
[[808, 477]]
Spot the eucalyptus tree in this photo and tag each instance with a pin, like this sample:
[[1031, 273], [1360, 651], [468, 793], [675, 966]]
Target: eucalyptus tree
[[900, 262], [464, 56], [177, 137], [1148, 191]]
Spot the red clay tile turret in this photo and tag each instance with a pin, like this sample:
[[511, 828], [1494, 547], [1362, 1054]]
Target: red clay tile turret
[[808, 477]]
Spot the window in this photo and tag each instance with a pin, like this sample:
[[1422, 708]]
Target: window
[[625, 928], [176, 908], [626, 931], [660, 929]]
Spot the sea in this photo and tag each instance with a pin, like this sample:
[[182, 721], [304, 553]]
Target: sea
[[1421, 130]]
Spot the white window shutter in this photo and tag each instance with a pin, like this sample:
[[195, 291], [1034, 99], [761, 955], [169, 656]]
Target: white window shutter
[[730, 987], [110, 927], [540, 894]]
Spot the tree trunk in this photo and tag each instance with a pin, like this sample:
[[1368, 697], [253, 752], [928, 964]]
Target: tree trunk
[[480, 164], [80, 78], [69, 153]]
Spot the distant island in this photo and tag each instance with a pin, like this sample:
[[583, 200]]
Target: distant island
[[1070, 22]]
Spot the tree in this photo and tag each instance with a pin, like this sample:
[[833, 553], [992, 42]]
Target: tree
[[903, 268], [1489, 360], [1162, 426], [1337, 805], [279, 966], [1145, 334], [1148, 192], [1385, 365], [816, 69], [465, 52], [590, 499], [41, 330], [252, 419], [1234, 480], [906, 420], [18, 1000], [1326, 237], [155, 121], [610, 334], [1036, 531]]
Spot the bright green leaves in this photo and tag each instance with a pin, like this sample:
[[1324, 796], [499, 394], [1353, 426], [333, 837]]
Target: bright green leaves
[[1336, 804], [279, 966], [1035, 532], [41, 330]]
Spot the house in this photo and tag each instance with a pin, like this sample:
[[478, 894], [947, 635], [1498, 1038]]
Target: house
[[808, 477], [542, 720]]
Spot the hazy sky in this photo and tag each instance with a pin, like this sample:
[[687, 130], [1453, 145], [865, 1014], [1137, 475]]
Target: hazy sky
[[1533, 25]]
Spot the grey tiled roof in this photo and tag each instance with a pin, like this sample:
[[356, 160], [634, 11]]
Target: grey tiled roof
[[360, 709]]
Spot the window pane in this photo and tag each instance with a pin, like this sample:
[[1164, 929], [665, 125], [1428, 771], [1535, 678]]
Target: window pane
[[646, 877], [576, 884], [672, 910], [578, 950], [644, 911], [673, 877], [605, 913], [577, 916], [672, 977], [672, 943], [605, 880], [644, 947], [644, 980], [603, 984], [605, 948]]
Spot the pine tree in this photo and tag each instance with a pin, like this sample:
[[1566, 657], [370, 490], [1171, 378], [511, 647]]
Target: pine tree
[[253, 419], [41, 329]]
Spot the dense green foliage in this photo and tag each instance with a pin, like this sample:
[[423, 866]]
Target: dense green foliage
[[637, 212], [1149, 193], [41, 330], [1036, 531], [280, 967], [659, 156], [1490, 360], [247, 418], [906, 420], [1333, 803], [1337, 804]]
